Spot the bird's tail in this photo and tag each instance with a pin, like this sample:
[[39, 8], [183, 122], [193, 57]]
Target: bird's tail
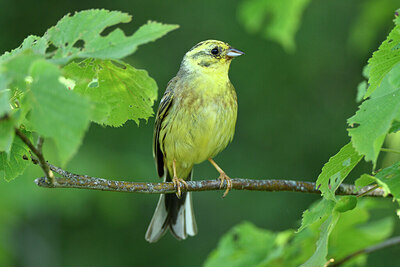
[[173, 213]]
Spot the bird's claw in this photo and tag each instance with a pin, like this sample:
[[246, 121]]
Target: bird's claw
[[223, 177], [177, 183]]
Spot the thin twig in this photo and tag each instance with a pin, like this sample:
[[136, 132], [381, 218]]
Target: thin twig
[[387, 243], [38, 152], [372, 188], [390, 150], [70, 180]]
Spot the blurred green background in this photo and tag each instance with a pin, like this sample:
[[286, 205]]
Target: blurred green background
[[292, 118]]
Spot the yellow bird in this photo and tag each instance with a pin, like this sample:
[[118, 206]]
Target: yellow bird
[[195, 121]]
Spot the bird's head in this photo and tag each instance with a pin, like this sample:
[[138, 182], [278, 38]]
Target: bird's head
[[210, 56]]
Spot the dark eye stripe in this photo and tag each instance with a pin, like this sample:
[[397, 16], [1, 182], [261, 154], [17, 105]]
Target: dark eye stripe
[[199, 54]]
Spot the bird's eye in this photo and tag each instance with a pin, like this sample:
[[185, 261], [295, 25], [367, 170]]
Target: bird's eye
[[215, 51]]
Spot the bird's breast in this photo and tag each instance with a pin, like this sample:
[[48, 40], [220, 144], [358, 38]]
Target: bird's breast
[[203, 123]]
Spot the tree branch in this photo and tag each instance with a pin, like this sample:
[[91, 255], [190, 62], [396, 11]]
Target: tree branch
[[70, 180], [38, 152], [387, 243]]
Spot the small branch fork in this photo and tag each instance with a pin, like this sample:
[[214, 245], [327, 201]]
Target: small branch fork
[[49, 176]]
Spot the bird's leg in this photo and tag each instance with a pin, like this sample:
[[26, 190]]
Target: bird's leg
[[222, 177], [177, 181]]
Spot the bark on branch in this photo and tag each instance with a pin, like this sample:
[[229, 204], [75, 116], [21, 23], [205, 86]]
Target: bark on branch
[[70, 180], [38, 152]]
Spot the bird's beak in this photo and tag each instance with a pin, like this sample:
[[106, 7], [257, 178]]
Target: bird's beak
[[232, 52]]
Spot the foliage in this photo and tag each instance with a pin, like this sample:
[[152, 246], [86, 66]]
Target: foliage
[[388, 179], [12, 164], [54, 86], [368, 129], [316, 212], [276, 20], [248, 245], [100, 80], [336, 170], [42, 94], [367, 135], [384, 59]]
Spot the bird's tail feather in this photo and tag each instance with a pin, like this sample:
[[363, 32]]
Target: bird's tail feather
[[173, 213]]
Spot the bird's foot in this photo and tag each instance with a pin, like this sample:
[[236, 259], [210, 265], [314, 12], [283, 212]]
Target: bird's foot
[[177, 183], [223, 177]]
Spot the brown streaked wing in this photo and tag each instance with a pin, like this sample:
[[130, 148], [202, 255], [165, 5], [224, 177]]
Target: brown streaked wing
[[162, 112]]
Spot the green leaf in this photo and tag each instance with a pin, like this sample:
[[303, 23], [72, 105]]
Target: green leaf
[[3, 80], [57, 112], [335, 235], [6, 123], [16, 69], [346, 203], [80, 35], [12, 164], [389, 180], [354, 232], [247, 245], [7, 134], [384, 59], [39, 95], [375, 117], [100, 113], [128, 93], [336, 170], [317, 212], [319, 256], [4, 102], [34, 44], [363, 181], [283, 23]]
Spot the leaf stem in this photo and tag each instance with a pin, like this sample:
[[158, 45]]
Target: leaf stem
[[390, 150], [367, 191]]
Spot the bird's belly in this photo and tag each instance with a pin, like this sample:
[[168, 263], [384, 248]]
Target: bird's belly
[[200, 133]]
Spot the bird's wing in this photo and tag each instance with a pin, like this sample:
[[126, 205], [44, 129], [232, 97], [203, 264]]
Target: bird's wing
[[165, 104]]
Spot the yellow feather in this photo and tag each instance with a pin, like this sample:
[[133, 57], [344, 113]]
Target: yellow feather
[[201, 120], [195, 121]]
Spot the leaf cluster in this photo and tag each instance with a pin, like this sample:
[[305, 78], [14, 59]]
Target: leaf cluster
[[55, 85], [248, 245]]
